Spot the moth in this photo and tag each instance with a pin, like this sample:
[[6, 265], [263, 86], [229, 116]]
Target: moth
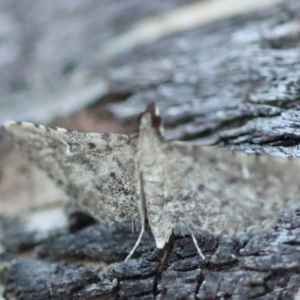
[[165, 183]]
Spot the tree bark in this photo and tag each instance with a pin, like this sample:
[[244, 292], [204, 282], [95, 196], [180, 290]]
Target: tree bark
[[234, 83]]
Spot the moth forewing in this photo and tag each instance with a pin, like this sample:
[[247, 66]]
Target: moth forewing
[[224, 192], [97, 169]]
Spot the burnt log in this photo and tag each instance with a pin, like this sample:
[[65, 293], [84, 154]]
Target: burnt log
[[234, 83]]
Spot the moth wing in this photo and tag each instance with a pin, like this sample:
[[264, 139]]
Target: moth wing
[[97, 169], [225, 193]]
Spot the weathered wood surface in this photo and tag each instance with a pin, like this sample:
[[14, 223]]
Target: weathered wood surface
[[48, 52], [234, 83]]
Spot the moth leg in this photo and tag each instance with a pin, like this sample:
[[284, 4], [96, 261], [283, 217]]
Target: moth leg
[[141, 206], [137, 242], [197, 246]]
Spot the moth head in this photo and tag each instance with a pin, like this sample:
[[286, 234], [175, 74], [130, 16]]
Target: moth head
[[151, 119]]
